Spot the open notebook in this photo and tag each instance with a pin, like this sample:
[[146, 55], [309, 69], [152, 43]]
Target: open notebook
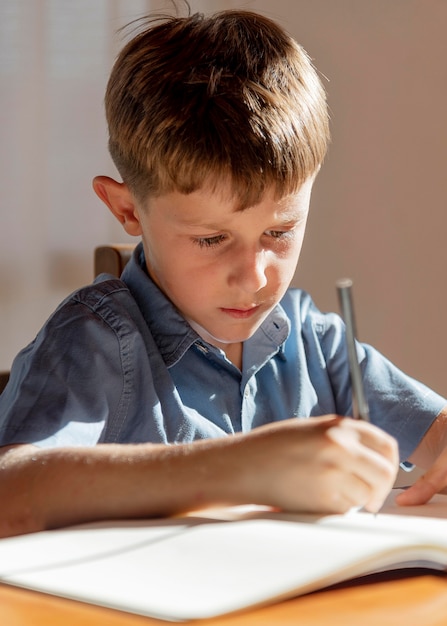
[[200, 567]]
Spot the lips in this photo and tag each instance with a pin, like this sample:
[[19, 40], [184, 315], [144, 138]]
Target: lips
[[241, 313]]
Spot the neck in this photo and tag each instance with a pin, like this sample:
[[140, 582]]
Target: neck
[[233, 351]]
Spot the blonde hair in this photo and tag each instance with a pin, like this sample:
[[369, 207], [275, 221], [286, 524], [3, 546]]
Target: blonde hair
[[197, 101]]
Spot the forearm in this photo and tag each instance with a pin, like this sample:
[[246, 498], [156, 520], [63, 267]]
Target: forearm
[[433, 443], [47, 488], [326, 464]]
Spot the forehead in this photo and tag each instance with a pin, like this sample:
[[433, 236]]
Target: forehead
[[197, 206]]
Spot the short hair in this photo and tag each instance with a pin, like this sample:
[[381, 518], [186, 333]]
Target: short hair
[[230, 98]]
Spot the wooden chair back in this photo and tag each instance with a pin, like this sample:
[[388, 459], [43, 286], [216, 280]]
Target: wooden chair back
[[112, 258]]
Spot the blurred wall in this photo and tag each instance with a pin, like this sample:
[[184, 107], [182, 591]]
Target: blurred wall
[[378, 204]]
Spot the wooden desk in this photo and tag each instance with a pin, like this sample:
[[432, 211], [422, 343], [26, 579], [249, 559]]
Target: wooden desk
[[419, 599]]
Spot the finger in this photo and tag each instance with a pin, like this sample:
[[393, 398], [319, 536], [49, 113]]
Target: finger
[[379, 441], [361, 478], [372, 437], [368, 463], [420, 492], [343, 493], [376, 502], [381, 482], [356, 493]]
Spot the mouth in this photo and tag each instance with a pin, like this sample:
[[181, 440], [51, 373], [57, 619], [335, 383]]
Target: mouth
[[243, 313]]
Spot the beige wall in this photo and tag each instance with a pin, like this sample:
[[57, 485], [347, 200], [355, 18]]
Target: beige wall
[[378, 207]]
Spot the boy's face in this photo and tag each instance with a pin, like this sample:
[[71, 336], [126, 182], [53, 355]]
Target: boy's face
[[224, 269]]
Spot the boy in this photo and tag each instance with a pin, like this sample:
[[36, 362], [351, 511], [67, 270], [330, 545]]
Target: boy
[[218, 127]]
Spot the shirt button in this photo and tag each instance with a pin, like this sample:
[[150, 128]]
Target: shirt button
[[201, 347], [247, 392]]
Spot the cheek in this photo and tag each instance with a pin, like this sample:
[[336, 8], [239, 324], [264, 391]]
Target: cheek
[[184, 282], [295, 253], [283, 271], [285, 275], [289, 262], [162, 268]]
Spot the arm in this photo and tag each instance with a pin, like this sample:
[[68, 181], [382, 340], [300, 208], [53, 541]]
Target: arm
[[326, 464], [431, 453]]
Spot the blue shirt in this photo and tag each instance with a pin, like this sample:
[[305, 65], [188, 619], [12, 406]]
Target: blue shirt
[[116, 362]]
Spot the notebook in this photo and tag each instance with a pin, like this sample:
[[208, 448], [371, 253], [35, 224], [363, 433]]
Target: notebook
[[222, 561]]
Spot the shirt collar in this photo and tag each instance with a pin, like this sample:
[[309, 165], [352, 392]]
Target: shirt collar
[[172, 333]]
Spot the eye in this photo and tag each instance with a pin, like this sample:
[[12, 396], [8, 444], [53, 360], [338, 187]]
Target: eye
[[276, 234], [280, 234], [209, 242]]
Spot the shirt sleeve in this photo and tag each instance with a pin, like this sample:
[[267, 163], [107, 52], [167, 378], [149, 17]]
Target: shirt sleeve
[[399, 404], [65, 385]]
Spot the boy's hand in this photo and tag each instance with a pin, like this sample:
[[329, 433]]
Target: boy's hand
[[431, 453], [433, 481], [325, 465], [328, 464]]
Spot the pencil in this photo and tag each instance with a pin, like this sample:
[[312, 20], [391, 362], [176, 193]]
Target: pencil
[[360, 409]]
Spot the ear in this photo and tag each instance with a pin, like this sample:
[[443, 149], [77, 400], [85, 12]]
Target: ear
[[118, 198]]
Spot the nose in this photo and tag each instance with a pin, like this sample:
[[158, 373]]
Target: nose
[[249, 271]]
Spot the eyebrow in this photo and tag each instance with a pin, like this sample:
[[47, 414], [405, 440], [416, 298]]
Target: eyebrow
[[284, 221], [286, 213]]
